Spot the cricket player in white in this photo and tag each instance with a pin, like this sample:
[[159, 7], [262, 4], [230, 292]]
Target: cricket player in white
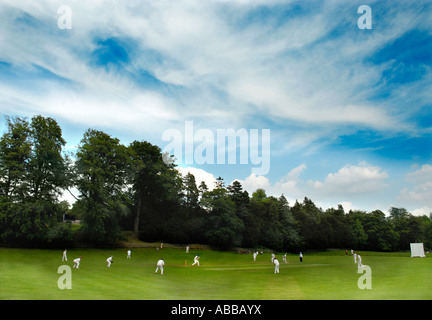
[[359, 259], [284, 258], [109, 261], [255, 255], [77, 263], [355, 257], [128, 254], [64, 257], [196, 260], [276, 263], [160, 264], [272, 257]]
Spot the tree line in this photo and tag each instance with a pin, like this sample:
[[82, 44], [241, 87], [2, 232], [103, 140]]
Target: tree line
[[138, 188]]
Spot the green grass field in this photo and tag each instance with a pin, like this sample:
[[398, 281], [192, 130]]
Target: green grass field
[[31, 274]]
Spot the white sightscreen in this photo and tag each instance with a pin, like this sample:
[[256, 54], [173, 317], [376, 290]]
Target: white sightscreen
[[417, 250]]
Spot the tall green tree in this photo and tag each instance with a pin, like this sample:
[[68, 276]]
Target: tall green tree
[[190, 192], [33, 174], [335, 223], [154, 181], [192, 219], [15, 152], [275, 226], [381, 235], [47, 165], [409, 228], [240, 198], [101, 169], [292, 241], [202, 188], [308, 217], [359, 238], [224, 228]]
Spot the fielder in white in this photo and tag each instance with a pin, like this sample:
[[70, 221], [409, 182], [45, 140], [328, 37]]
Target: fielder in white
[[160, 264], [109, 261], [128, 254], [272, 257], [255, 255], [77, 263], [359, 259], [64, 257], [276, 263], [196, 260]]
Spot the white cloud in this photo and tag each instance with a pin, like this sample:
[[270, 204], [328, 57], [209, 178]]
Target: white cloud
[[221, 67], [420, 176], [420, 193], [239, 69], [295, 173], [424, 211], [200, 175], [352, 180], [254, 182], [349, 183], [289, 184], [355, 187], [347, 205]]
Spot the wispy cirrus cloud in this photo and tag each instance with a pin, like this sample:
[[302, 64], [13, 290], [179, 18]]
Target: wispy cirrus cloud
[[231, 56], [420, 189], [332, 95], [353, 179]]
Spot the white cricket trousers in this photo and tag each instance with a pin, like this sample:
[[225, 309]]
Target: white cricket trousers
[[159, 267]]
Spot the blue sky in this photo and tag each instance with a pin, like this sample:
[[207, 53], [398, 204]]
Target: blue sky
[[349, 110]]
